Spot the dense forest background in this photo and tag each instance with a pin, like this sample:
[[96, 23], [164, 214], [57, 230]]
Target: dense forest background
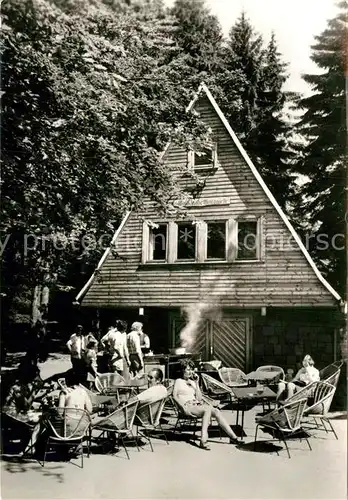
[[92, 90]]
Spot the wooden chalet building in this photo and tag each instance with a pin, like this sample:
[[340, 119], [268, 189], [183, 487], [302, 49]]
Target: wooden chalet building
[[236, 249]]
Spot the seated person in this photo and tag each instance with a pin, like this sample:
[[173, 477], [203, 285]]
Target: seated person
[[74, 395], [20, 401], [155, 392], [20, 398], [305, 376], [188, 396]]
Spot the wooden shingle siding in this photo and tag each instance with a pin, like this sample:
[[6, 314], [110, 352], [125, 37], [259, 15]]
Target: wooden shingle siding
[[282, 278]]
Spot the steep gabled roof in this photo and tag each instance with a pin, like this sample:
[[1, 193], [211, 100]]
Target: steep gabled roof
[[85, 288], [204, 90]]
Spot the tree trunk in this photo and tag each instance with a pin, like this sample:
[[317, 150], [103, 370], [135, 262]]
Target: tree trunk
[[36, 304]]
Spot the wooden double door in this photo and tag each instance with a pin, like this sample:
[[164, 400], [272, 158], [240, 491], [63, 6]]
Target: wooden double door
[[228, 339]]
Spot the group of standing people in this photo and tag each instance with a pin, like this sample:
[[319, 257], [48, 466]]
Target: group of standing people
[[124, 352]]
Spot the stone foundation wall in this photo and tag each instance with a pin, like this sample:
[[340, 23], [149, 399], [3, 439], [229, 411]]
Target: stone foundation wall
[[284, 337]]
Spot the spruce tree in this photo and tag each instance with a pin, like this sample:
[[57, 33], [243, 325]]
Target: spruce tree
[[323, 125], [198, 36], [240, 80], [253, 101], [271, 139]]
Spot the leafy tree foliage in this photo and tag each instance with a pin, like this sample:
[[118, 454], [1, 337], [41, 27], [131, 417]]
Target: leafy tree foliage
[[92, 92], [323, 126], [84, 121]]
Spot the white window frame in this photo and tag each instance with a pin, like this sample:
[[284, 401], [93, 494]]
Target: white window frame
[[259, 238], [216, 259], [147, 243], [201, 241], [212, 165]]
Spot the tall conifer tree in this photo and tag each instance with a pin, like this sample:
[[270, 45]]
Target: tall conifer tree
[[271, 140], [198, 36], [323, 125], [253, 100]]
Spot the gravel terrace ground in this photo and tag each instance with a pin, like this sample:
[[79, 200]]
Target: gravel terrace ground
[[181, 470]]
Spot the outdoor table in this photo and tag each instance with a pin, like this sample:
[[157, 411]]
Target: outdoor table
[[129, 388], [261, 376], [248, 397]]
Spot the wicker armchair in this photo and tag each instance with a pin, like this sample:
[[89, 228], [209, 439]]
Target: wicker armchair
[[278, 372], [233, 377], [331, 373], [120, 424], [148, 417], [306, 392], [319, 396], [106, 382], [214, 388], [186, 420], [68, 427], [320, 407], [16, 433], [284, 423], [169, 405], [139, 381]]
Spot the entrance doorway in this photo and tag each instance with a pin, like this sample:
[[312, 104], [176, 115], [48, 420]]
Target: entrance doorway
[[228, 339]]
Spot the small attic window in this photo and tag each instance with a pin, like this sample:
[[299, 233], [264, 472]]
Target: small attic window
[[206, 159]]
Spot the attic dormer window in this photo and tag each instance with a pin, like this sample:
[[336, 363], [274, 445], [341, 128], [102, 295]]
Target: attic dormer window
[[204, 159]]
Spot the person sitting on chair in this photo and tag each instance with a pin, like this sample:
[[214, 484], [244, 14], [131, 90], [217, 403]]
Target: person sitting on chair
[[305, 376], [20, 398], [188, 396], [74, 398], [74, 395], [19, 404], [156, 390]]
